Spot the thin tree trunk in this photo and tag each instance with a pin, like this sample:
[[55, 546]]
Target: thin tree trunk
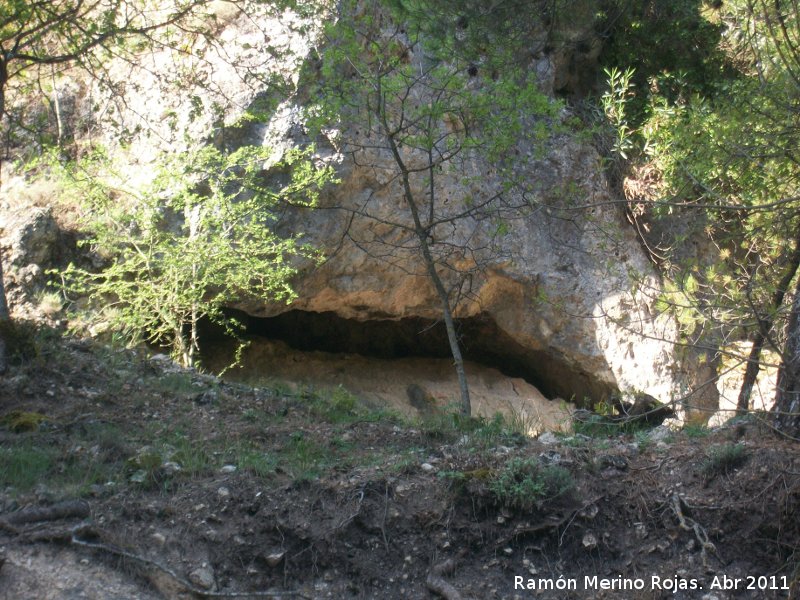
[[5, 317], [750, 374], [449, 323], [444, 297], [430, 265], [5, 321], [765, 326], [57, 107], [787, 396]]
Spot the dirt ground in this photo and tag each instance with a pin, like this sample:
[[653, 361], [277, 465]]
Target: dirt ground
[[126, 477]]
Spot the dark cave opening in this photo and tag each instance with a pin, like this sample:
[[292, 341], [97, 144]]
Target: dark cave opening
[[481, 339]]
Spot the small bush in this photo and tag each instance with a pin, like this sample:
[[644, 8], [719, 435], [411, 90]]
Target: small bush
[[595, 426], [723, 460], [525, 483], [50, 302], [20, 338], [339, 407], [20, 421]]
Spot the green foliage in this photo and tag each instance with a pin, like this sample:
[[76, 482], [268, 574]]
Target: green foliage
[[200, 238], [175, 384], [614, 102], [723, 460], [675, 47], [490, 36], [524, 483], [596, 426], [715, 120], [20, 338], [340, 406]]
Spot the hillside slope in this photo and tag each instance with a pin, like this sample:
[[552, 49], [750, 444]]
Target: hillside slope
[[177, 483]]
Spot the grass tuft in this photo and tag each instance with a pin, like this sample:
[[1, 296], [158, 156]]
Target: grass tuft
[[525, 483], [723, 460]]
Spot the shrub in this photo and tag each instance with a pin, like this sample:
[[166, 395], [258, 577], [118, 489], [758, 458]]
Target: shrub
[[525, 483], [723, 460]]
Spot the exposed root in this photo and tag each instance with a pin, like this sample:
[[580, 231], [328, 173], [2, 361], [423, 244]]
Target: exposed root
[[690, 524], [69, 509], [61, 510], [438, 585]]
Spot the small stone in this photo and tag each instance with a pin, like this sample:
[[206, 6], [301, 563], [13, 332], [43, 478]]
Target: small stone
[[589, 541], [228, 469], [170, 468], [612, 461], [213, 536], [548, 438], [659, 434], [508, 551], [428, 467], [223, 492], [202, 577], [159, 538], [640, 530], [274, 559], [551, 457]]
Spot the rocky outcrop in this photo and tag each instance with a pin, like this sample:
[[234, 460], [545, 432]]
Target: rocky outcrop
[[560, 297], [31, 242], [559, 293]]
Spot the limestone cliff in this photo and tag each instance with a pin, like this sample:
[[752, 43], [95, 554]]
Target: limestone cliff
[[556, 302]]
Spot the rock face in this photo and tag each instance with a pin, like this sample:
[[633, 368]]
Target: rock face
[[557, 297], [31, 242], [559, 300]]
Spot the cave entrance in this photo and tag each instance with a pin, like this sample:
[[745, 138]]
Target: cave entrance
[[482, 342]]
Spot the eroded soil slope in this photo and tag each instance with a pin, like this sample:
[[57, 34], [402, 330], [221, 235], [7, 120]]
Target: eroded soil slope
[[126, 477]]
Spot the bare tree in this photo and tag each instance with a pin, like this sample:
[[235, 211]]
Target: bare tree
[[420, 121]]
